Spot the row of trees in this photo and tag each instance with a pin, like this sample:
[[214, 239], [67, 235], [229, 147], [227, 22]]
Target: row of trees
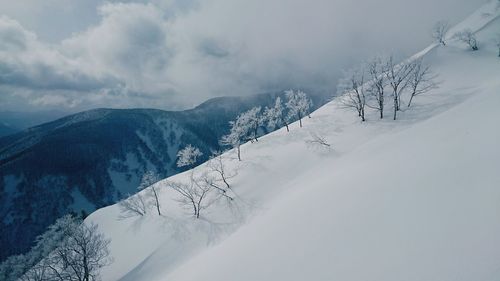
[[246, 126], [69, 250], [371, 83], [197, 193], [467, 36], [202, 189], [72, 250]]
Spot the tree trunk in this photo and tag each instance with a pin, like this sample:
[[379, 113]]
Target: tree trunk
[[381, 105], [288, 130], [157, 201], [239, 153], [395, 106], [196, 212], [86, 274], [225, 182], [411, 98]]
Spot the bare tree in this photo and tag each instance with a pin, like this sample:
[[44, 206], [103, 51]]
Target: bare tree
[[376, 69], [318, 140], [421, 80], [208, 180], [217, 166], [353, 88], [439, 31], [148, 180], [85, 251], [133, 205], [397, 78], [193, 194], [468, 37], [298, 105]]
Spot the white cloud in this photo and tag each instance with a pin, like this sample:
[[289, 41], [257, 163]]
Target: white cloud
[[129, 43], [173, 53]]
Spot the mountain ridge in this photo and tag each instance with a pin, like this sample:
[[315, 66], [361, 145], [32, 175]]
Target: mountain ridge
[[93, 158]]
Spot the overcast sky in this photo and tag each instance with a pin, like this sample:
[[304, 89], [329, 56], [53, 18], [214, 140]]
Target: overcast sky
[[171, 54]]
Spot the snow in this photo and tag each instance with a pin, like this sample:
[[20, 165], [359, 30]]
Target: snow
[[412, 199]]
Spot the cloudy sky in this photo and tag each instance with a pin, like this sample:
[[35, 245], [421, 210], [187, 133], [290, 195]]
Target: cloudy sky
[[171, 54]]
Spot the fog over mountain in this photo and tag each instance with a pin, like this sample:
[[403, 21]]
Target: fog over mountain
[[172, 54]]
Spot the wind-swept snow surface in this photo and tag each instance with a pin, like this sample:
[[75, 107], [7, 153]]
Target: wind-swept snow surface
[[412, 199]]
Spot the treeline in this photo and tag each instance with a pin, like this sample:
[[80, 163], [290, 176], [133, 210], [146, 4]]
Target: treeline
[[212, 182], [371, 84]]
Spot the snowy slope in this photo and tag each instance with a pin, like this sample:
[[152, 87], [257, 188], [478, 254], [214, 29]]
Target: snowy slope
[[412, 199]]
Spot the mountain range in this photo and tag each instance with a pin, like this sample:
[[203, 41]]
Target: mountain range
[[94, 158]]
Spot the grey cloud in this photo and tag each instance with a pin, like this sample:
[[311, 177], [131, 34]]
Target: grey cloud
[[176, 53], [26, 63], [129, 43], [213, 48]]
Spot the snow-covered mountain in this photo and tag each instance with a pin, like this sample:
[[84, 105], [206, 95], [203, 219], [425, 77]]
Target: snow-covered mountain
[[413, 199], [94, 158]]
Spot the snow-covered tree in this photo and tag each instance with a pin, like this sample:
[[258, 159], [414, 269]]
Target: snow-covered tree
[[148, 180], [421, 80], [238, 132], [469, 38], [83, 253], [85, 250], [274, 117], [254, 120], [188, 156], [72, 250], [439, 31], [397, 77], [376, 70], [352, 86], [298, 105], [14, 267]]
